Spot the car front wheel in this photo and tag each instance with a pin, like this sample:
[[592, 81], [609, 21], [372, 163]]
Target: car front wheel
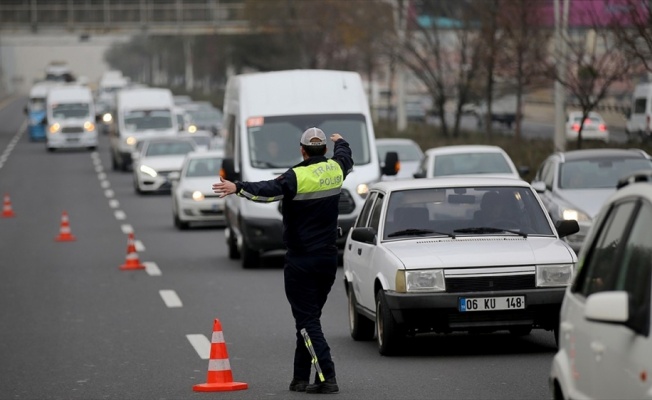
[[361, 327], [390, 335]]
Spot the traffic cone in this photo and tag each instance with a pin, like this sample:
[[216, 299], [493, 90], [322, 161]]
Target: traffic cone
[[132, 261], [7, 212], [220, 378], [64, 230]]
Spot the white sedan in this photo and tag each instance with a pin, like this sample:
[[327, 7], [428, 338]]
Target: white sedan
[[156, 159], [193, 199], [594, 126], [454, 254], [468, 160]]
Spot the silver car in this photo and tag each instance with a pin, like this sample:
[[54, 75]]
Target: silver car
[[575, 184]]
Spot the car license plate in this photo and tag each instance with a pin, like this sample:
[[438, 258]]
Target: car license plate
[[491, 303], [72, 139]]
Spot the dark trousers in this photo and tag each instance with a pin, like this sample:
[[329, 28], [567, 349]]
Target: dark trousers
[[308, 280]]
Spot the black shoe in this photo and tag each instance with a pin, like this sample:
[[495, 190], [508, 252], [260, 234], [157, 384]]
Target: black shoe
[[327, 387], [298, 385]]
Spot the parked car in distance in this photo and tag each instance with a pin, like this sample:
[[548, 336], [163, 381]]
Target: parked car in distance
[[476, 254], [468, 160], [594, 128], [575, 184], [605, 348], [158, 158], [193, 199], [409, 155]]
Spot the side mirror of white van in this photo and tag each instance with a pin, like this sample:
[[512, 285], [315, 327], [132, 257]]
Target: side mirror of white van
[[228, 170], [391, 165]]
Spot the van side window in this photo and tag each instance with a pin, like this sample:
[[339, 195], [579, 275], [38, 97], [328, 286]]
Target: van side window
[[639, 105], [229, 149]]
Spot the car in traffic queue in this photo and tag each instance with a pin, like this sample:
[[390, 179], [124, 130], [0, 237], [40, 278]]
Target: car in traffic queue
[[593, 128], [475, 254], [605, 348], [36, 111], [409, 156], [70, 118], [193, 199], [575, 184], [156, 159], [468, 160]]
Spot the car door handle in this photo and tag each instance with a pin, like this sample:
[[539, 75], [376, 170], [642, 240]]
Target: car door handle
[[597, 347], [359, 252], [350, 246]]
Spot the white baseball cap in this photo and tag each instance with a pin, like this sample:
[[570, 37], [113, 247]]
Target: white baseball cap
[[309, 136]]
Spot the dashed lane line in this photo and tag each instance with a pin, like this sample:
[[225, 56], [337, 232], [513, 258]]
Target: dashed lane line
[[170, 298], [201, 344], [152, 268]]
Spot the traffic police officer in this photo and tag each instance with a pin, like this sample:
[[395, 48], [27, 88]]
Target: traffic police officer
[[310, 194]]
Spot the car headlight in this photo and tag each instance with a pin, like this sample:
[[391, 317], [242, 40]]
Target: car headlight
[[131, 141], [195, 195], [571, 213], [148, 170], [107, 117], [192, 129], [426, 280], [554, 275], [362, 190], [54, 128], [89, 126]]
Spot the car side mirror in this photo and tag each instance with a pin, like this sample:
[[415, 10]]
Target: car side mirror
[[364, 234], [228, 170], [174, 176], [392, 164], [419, 175], [610, 307], [523, 170], [567, 227], [44, 121], [539, 186]]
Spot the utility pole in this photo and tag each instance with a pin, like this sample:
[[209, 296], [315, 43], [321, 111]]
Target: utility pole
[[400, 14], [561, 35]]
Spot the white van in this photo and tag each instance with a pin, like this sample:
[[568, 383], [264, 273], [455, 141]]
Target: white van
[[70, 118], [141, 113], [639, 123], [264, 117]]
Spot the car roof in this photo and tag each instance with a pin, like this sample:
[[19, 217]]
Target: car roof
[[396, 141], [449, 181], [579, 114], [590, 154], [464, 148], [206, 154], [168, 139]]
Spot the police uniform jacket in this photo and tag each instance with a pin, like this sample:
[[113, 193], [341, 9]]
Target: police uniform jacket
[[310, 193]]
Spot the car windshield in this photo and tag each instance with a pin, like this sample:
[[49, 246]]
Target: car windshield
[[599, 173], [36, 104], [205, 116], [71, 110], [142, 120], [201, 140], [203, 167], [406, 152], [471, 163], [465, 211], [274, 141], [168, 148]]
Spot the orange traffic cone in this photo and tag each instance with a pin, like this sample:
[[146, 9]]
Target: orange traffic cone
[[7, 212], [132, 261], [64, 230], [220, 378]]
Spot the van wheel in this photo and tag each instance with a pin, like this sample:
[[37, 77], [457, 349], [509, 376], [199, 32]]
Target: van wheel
[[232, 243], [51, 149], [250, 257], [390, 335], [361, 327], [92, 148]]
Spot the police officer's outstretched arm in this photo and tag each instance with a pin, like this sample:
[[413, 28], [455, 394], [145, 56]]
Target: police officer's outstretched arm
[[262, 192], [342, 153]]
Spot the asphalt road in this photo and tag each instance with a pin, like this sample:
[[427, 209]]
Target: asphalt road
[[75, 326]]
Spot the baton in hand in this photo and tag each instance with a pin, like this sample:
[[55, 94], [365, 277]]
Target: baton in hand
[[311, 350]]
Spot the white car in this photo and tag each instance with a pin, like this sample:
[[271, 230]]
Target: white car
[[156, 159], [409, 156], [454, 254], [468, 160], [193, 199], [594, 128], [605, 347]]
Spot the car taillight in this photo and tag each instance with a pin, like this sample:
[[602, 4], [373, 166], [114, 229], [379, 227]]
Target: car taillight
[[576, 127], [602, 127]]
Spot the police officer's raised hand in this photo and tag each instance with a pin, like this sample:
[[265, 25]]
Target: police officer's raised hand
[[335, 137], [224, 187]]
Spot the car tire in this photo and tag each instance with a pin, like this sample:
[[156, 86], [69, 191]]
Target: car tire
[[520, 330], [361, 327], [137, 188], [114, 163], [232, 244], [179, 224], [92, 148], [389, 334], [50, 149], [250, 257]]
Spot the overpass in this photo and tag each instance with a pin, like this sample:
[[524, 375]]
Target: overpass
[[154, 17]]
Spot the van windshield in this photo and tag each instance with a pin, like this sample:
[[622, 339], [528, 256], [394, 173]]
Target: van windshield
[[143, 120], [70, 110], [36, 104], [274, 141]]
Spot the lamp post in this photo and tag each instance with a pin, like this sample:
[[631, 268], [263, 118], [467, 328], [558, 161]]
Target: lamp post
[[561, 32]]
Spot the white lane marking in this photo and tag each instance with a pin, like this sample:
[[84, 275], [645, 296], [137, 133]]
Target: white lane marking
[[101, 176], [109, 193], [152, 269], [170, 298], [99, 168], [119, 215], [126, 229], [113, 203], [201, 344], [95, 154], [105, 184], [140, 247]]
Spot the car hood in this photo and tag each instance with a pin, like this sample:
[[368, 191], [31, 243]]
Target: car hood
[[587, 200], [163, 163], [480, 251], [203, 184]]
